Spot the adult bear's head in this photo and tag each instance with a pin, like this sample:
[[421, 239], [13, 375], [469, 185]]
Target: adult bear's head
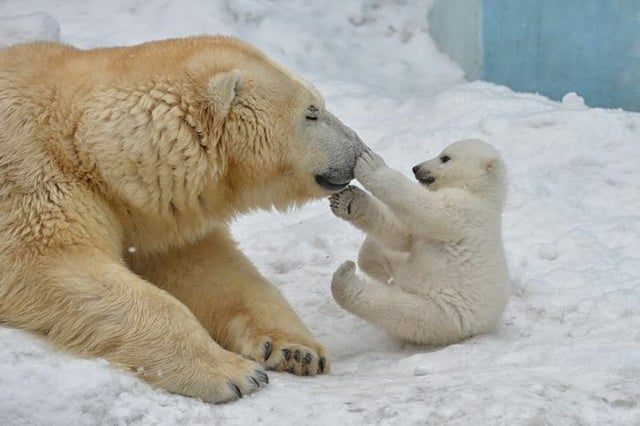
[[278, 144]]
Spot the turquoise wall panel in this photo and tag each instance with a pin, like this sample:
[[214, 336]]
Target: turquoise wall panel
[[551, 47], [557, 46]]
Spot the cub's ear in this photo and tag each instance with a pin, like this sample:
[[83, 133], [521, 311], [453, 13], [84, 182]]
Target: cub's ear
[[222, 90]]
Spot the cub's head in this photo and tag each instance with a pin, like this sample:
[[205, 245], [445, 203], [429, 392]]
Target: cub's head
[[281, 146], [472, 165]]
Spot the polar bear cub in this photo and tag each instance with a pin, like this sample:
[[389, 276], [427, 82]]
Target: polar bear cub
[[434, 248]]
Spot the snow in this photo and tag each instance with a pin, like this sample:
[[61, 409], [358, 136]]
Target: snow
[[568, 348]]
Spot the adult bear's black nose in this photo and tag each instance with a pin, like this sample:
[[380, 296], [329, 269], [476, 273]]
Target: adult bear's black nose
[[416, 168]]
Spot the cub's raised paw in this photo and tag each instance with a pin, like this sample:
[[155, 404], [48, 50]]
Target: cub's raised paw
[[367, 163], [349, 203]]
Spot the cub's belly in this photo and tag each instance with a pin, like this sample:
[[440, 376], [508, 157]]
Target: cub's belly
[[428, 269]]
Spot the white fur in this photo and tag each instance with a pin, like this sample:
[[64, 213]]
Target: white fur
[[434, 250]]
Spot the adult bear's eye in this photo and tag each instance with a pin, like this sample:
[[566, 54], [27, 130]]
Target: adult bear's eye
[[312, 112], [445, 158]]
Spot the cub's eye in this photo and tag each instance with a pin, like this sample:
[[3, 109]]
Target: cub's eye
[[312, 112], [445, 158]]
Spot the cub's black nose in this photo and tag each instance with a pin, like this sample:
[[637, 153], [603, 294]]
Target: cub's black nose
[[416, 168]]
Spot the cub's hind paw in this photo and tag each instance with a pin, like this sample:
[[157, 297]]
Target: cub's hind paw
[[345, 285], [344, 271]]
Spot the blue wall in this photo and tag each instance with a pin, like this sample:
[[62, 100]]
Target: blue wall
[[552, 47]]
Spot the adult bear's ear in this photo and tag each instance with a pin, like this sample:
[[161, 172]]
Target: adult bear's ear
[[223, 89]]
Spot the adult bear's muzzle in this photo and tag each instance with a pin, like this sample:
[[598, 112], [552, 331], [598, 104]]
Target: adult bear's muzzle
[[342, 146]]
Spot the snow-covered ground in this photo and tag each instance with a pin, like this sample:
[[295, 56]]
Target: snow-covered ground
[[568, 349]]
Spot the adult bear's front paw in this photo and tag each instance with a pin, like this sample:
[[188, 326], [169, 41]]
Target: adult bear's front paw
[[292, 353], [216, 376], [240, 378], [279, 344]]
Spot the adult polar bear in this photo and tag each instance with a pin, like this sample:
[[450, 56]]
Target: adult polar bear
[[434, 248], [157, 147]]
